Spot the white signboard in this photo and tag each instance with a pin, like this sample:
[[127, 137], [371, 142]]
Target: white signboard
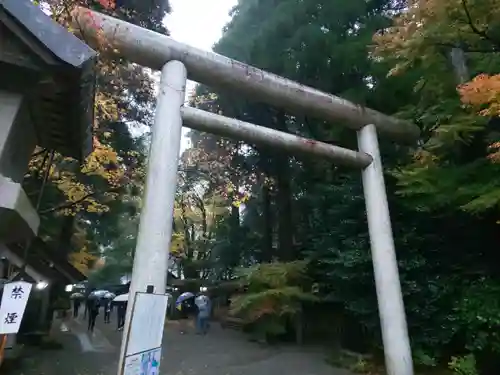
[[148, 320], [14, 300], [147, 363]]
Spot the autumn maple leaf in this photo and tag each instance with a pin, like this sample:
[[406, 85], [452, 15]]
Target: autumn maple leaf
[[108, 4]]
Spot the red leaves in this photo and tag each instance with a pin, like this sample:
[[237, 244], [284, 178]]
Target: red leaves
[[108, 4], [482, 93]]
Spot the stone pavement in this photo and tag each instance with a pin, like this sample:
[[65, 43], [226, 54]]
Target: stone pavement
[[221, 352]]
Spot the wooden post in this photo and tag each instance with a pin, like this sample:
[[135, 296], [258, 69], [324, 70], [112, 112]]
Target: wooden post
[[3, 343]]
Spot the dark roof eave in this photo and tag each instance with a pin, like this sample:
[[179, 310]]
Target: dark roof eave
[[65, 117], [61, 263]]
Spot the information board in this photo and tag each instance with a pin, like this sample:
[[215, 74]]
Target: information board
[[147, 323]]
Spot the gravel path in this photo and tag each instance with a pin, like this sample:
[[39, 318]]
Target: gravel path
[[221, 352]]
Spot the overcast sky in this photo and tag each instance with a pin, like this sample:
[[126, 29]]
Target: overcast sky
[[198, 23]]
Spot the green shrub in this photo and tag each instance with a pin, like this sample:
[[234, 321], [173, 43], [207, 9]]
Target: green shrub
[[273, 297], [465, 365]]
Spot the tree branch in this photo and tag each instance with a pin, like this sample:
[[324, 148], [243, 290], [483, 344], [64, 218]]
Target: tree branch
[[467, 48], [66, 205], [482, 33], [39, 153]]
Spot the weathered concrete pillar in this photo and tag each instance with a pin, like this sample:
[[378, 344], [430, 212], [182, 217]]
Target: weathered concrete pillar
[[17, 136], [18, 218]]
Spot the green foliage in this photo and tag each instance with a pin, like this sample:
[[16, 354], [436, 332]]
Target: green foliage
[[443, 192], [465, 365], [274, 296], [479, 313], [420, 358], [360, 367]]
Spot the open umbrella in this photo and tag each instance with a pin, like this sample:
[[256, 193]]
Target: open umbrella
[[121, 298], [109, 295], [183, 297], [98, 293], [76, 296]]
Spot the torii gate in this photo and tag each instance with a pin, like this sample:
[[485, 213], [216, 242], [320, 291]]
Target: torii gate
[[177, 61]]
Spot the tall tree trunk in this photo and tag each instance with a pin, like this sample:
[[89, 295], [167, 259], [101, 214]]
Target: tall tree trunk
[[267, 252], [267, 226], [234, 234], [284, 199], [65, 235]]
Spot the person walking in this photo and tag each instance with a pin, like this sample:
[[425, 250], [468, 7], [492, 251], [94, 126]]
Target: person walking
[[187, 309], [107, 311], [93, 311], [86, 310], [121, 310], [204, 306], [76, 307]]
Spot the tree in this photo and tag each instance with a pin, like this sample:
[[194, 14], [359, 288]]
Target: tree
[[456, 167], [87, 195], [199, 209], [456, 138], [274, 297], [444, 226]]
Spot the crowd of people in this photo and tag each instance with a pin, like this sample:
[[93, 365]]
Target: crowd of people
[[93, 307], [188, 305]]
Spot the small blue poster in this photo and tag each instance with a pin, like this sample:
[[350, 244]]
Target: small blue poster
[[150, 362], [145, 363]]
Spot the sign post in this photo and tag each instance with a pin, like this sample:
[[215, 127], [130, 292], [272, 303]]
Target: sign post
[[3, 342], [14, 299], [143, 341]]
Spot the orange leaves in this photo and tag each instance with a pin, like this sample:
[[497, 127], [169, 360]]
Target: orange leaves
[[483, 94], [426, 27], [268, 306], [494, 156], [403, 40]]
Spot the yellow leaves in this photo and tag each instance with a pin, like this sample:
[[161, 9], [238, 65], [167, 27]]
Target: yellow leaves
[[398, 69], [106, 107], [241, 199], [199, 100], [79, 197], [103, 161], [74, 190], [81, 260], [177, 244], [483, 94], [237, 196], [424, 157]]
